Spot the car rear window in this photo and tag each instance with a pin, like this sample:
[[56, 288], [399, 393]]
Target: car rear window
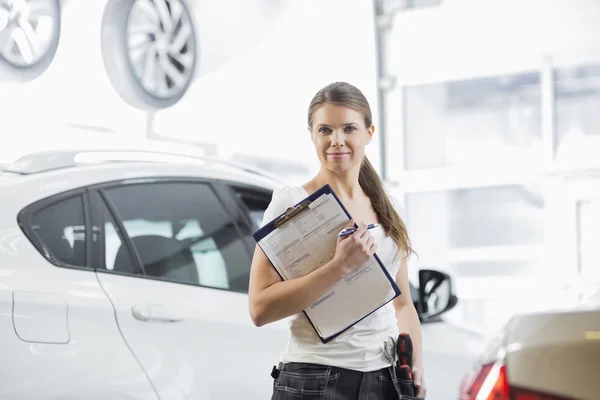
[[61, 229]]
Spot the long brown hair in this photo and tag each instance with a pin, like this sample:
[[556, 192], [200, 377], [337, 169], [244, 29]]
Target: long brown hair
[[345, 94]]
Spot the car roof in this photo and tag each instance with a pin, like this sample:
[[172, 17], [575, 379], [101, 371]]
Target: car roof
[[44, 161], [42, 174]]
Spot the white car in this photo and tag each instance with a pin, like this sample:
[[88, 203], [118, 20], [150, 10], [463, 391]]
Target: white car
[[125, 276]]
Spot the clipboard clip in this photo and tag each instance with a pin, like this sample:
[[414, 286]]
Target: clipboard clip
[[292, 212]]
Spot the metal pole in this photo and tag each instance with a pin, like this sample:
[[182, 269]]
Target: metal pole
[[150, 134], [210, 149], [381, 67], [384, 16]]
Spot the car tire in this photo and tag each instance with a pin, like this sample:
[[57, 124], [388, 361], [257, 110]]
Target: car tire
[[122, 59], [15, 68]]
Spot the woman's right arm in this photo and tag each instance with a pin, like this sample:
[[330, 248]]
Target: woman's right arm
[[271, 299]]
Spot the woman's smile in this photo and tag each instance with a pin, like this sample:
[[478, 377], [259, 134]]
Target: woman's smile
[[338, 155]]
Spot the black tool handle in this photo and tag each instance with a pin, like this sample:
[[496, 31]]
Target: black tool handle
[[405, 380], [405, 350]]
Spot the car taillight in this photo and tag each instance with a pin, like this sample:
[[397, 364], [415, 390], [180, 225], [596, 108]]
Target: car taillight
[[489, 382]]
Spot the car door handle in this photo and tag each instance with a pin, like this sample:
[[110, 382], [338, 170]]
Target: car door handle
[[154, 312]]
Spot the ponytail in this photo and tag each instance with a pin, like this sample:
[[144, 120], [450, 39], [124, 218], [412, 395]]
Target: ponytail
[[388, 217]]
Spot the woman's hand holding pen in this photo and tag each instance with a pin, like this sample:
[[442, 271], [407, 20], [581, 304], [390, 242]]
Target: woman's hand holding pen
[[354, 250]]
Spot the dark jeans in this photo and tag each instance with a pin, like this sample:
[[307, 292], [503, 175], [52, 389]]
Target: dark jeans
[[320, 382]]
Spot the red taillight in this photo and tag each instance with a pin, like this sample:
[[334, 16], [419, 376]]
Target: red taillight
[[489, 382]]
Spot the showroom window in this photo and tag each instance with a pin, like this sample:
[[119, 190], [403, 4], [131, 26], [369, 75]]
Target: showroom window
[[473, 122], [182, 233], [61, 229], [478, 231], [577, 98]]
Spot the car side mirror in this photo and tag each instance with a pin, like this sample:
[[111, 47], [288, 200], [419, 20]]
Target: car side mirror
[[436, 293]]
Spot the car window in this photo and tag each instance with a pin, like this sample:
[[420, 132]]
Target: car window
[[113, 255], [256, 202], [60, 228], [182, 233]]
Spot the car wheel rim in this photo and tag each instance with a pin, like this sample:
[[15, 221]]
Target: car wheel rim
[[162, 46], [27, 30]]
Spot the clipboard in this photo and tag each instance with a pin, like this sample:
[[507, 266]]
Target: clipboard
[[290, 215]]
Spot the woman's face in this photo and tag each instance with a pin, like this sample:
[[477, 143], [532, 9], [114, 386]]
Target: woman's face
[[340, 136]]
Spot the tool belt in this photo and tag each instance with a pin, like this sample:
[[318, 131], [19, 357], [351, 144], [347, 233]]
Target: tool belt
[[399, 352]]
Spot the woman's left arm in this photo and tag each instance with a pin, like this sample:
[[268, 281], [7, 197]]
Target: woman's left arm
[[408, 321]]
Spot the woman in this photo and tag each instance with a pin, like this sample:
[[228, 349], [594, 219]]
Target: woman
[[353, 365]]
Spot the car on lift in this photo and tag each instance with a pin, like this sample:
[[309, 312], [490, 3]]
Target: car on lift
[[124, 275], [152, 50]]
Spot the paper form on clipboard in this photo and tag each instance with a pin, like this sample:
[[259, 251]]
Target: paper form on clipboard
[[303, 239]]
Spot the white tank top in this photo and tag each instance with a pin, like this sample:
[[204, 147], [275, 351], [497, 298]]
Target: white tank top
[[361, 346]]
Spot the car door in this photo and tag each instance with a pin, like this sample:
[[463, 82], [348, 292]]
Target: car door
[[176, 269], [60, 339]]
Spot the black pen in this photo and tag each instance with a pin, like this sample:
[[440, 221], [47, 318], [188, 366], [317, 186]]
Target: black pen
[[350, 231]]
